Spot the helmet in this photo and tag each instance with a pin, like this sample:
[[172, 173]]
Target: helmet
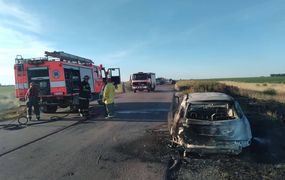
[[86, 77]]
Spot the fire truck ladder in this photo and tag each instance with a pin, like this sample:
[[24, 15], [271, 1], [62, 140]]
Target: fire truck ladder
[[69, 57]]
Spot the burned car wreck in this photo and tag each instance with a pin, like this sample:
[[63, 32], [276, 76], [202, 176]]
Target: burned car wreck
[[210, 122]]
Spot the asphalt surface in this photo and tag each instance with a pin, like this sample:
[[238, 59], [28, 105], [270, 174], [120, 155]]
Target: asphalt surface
[[119, 148]]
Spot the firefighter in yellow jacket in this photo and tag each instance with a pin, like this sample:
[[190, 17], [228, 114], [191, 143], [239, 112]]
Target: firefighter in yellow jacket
[[108, 98]]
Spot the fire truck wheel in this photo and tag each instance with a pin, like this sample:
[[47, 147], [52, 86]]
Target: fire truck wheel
[[48, 109]]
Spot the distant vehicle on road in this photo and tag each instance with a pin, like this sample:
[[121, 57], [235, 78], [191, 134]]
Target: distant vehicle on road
[[160, 81], [172, 81], [210, 123], [59, 76], [143, 81]]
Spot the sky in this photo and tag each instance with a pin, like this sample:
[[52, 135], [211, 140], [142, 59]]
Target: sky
[[178, 39]]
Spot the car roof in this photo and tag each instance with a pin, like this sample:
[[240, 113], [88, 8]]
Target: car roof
[[209, 96]]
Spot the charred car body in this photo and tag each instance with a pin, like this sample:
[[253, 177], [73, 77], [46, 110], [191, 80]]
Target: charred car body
[[210, 123]]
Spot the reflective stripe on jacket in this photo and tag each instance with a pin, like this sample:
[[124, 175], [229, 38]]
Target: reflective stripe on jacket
[[109, 93]]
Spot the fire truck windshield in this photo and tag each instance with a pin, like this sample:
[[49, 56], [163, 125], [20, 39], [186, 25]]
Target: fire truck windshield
[[140, 76]]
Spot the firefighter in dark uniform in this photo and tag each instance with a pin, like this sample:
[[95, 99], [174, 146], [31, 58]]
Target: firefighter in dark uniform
[[32, 96], [84, 95]]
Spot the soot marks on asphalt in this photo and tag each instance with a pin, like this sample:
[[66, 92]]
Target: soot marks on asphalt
[[219, 166], [151, 147], [12, 127], [142, 111], [154, 147], [68, 174]]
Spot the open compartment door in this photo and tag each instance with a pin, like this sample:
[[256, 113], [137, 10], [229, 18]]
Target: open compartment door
[[115, 75]]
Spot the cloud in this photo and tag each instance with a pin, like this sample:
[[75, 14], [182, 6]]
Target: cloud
[[120, 54], [13, 43], [17, 28], [12, 15], [123, 54]]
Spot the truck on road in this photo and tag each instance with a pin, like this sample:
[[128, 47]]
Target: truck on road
[[59, 76], [143, 81]]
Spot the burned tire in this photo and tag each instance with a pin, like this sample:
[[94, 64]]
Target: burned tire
[[48, 109]]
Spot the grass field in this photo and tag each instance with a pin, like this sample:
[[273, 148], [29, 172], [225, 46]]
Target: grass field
[[7, 98], [262, 91], [261, 87], [262, 79], [271, 104]]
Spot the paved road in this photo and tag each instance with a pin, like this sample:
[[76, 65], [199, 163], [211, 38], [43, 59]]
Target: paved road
[[121, 148]]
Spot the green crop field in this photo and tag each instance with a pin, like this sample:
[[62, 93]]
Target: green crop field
[[7, 98], [262, 79]]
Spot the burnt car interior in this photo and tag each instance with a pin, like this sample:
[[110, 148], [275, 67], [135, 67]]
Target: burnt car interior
[[211, 111]]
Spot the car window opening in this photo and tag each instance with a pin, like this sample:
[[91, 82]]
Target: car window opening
[[211, 111]]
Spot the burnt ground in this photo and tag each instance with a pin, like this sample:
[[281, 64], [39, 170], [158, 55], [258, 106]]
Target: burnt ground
[[264, 159], [151, 147]]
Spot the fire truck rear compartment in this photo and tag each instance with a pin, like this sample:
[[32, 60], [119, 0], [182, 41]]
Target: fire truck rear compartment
[[40, 75], [72, 80]]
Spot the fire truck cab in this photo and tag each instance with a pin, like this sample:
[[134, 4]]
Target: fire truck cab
[[58, 76], [143, 81]]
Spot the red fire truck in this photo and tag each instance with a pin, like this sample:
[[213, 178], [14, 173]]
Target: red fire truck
[[58, 76], [143, 81]]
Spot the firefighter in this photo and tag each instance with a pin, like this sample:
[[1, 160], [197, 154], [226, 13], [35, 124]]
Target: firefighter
[[84, 95], [32, 96], [108, 98]]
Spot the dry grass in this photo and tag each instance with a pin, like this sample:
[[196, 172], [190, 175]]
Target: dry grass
[[199, 86], [126, 85], [264, 91], [184, 84], [260, 87], [7, 98]]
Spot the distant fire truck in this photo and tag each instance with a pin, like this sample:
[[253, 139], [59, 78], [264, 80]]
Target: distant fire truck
[[58, 76], [143, 81]]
